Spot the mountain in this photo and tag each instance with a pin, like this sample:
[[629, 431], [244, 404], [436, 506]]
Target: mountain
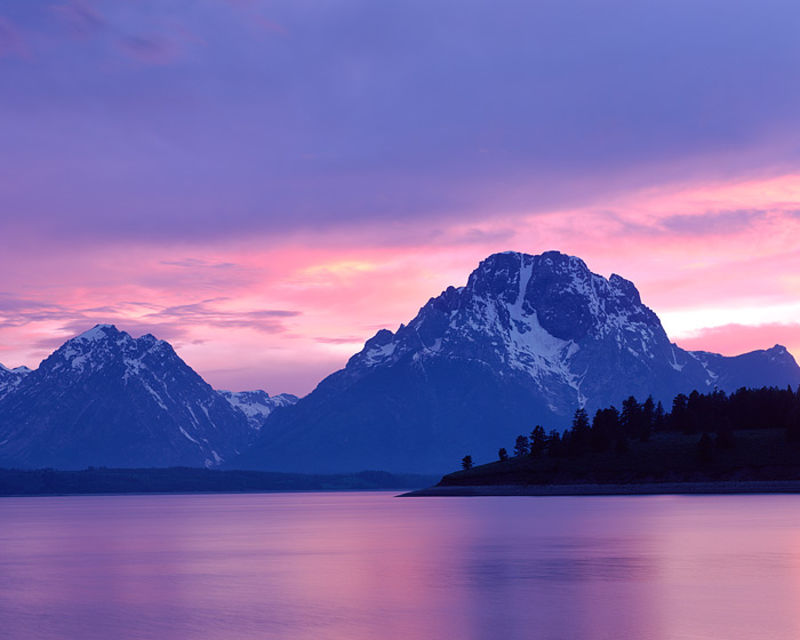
[[257, 405], [10, 378], [528, 340], [106, 399]]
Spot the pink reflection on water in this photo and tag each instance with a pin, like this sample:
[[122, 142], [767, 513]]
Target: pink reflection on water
[[360, 566]]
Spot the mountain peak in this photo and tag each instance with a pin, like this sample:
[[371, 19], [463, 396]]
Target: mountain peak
[[21, 370], [11, 378], [256, 405], [527, 340], [779, 353], [99, 332], [540, 316], [105, 346], [123, 402]]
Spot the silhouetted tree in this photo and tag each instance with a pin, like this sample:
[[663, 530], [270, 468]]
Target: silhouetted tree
[[580, 434], [695, 411], [466, 463], [605, 428], [631, 417], [538, 441], [659, 418], [793, 426], [679, 417], [714, 413], [521, 447], [555, 448], [502, 454], [647, 418]]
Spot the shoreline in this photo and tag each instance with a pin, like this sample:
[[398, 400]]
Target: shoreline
[[633, 489]]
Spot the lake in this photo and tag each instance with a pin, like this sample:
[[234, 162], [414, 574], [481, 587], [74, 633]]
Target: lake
[[358, 566]]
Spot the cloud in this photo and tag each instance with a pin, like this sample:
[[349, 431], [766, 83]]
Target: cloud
[[208, 313], [342, 340], [146, 317], [80, 18], [374, 155], [10, 303], [713, 223], [150, 49], [12, 41], [17, 312], [436, 116], [196, 263]]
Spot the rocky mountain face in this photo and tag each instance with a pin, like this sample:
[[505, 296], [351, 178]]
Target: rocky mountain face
[[528, 340], [257, 405], [107, 399], [10, 378]]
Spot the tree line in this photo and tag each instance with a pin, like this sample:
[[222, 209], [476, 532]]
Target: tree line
[[714, 413]]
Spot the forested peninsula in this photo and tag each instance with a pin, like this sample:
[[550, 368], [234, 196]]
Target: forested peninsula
[[747, 441]]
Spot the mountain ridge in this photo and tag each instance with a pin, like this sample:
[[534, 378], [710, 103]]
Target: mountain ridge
[[540, 334], [526, 340], [106, 398]]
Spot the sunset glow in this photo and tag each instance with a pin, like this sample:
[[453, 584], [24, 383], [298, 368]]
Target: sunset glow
[[267, 248]]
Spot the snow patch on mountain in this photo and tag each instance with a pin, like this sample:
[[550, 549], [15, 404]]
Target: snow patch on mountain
[[11, 378], [256, 405], [104, 382]]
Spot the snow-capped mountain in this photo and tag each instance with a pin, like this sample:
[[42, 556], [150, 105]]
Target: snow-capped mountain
[[10, 378], [105, 398], [527, 340], [257, 405]]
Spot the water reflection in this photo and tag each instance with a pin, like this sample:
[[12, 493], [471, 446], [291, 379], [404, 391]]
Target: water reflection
[[358, 566]]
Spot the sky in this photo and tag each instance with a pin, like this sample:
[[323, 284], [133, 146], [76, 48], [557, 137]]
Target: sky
[[267, 184]]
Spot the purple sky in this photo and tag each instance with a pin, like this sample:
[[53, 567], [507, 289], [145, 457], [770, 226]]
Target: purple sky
[[212, 153]]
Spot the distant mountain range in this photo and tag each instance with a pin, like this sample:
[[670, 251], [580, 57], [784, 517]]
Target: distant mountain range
[[526, 341], [106, 399]]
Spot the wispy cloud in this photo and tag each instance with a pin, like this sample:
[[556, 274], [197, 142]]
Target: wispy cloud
[[198, 263], [208, 313], [12, 40], [152, 49], [342, 340], [713, 223], [80, 18], [188, 156]]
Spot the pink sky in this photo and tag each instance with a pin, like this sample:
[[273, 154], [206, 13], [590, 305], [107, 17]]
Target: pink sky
[[266, 184], [719, 263]]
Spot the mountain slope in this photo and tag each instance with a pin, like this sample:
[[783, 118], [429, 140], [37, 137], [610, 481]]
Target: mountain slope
[[105, 398], [257, 405], [10, 378], [526, 341]]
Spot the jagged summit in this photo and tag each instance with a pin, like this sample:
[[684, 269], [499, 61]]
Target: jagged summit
[[22, 369], [104, 346], [257, 404], [544, 316], [11, 378], [99, 332], [527, 339], [106, 398]]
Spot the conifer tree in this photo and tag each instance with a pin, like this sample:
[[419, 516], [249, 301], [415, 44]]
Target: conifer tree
[[538, 441], [521, 447]]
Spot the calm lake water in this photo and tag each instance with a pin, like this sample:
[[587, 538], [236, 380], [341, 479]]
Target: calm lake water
[[360, 566]]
